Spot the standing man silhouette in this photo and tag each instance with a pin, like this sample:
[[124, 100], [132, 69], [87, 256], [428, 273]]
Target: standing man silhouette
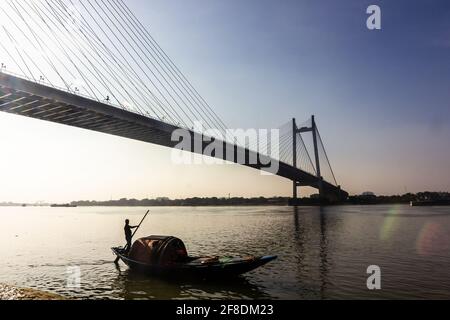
[[128, 234]]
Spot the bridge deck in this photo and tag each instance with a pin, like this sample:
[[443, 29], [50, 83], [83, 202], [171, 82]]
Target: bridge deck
[[30, 99]]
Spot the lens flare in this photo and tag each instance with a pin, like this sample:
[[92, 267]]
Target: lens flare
[[390, 224], [432, 240]]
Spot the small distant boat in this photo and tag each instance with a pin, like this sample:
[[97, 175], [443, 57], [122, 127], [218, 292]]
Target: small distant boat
[[165, 255], [66, 205]]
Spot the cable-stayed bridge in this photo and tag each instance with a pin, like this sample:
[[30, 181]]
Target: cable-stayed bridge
[[93, 65]]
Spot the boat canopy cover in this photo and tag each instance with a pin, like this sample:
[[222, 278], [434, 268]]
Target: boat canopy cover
[[158, 250]]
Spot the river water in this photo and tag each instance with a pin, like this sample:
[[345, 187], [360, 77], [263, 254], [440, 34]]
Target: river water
[[323, 253]]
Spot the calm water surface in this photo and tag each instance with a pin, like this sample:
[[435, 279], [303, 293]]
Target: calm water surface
[[323, 252]]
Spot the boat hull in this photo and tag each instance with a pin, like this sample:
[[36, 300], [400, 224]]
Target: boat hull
[[204, 267]]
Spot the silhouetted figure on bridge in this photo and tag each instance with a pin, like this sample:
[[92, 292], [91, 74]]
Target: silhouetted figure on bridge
[[128, 233]]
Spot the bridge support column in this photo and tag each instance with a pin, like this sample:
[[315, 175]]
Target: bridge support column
[[316, 155], [294, 190], [326, 190], [295, 183], [294, 158]]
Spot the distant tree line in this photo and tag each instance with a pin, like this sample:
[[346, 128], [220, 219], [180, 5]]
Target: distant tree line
[[196, 201], [261, 201], [406, 198], [367, 198]]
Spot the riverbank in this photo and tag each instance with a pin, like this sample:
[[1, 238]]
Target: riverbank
[[364, 199], [13, 293]]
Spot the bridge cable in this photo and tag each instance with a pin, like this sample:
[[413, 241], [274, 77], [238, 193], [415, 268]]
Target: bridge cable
[[98, 43], [160, 65], [39, 41], [134, 59], [77, 44], [177, 118], [58, 42], [326, 157], [40, 49], [80, 45], [169, 60]]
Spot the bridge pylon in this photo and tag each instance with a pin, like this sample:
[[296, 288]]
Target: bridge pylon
[[295, 132]]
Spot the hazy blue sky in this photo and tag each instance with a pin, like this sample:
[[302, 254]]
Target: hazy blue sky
[[381, 99]]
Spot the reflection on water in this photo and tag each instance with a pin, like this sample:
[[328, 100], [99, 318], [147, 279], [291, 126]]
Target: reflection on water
[[133, 285], [323, 252], [301, 235]]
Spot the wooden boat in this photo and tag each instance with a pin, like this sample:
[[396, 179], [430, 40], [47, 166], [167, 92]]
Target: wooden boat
[[164, 255]]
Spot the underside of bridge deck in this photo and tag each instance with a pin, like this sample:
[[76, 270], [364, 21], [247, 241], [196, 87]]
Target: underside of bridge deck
[[30, 99]]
